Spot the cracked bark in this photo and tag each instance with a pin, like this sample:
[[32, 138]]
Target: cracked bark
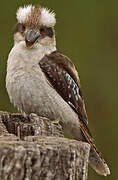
[[41, 152]]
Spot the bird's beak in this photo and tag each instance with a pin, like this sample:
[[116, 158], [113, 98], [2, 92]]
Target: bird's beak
[[31, 37]]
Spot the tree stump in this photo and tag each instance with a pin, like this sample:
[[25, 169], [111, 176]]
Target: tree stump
[[34, 148]]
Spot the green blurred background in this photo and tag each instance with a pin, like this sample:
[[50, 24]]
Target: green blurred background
[[87, 31]]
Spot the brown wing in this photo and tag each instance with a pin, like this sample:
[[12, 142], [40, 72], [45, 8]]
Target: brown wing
[[63, 76]]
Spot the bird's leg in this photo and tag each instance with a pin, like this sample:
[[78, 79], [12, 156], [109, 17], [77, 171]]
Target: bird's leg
[[57, 123]]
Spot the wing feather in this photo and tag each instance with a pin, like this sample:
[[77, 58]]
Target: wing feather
[[63, 76]]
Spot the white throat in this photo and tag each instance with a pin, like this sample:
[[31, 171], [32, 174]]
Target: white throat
[[20, 57]]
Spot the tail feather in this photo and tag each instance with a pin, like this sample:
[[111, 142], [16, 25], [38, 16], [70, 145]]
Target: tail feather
[[98, 163], [95, 158]]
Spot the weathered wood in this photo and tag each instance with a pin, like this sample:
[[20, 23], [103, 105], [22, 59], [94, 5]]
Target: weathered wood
[[29, 126], [42, 154]]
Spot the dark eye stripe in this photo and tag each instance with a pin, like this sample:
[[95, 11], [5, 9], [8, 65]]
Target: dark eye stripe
[[46, 31], [50, 31], [19, 28]]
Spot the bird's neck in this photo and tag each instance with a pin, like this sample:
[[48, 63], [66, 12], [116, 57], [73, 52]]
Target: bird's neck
[[21, 57], [47, 45]]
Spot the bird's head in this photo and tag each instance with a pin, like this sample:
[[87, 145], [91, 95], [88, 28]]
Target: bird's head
[[35, 26]]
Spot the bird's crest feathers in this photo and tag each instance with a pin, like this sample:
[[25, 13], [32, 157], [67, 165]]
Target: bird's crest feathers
[[36, 14]]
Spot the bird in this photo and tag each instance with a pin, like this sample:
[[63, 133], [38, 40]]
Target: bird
[[42, 80]]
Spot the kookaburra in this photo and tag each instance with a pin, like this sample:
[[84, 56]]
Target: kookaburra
[[42, 80]]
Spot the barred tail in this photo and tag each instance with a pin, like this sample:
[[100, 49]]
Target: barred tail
[[95, 158], [97, 162]]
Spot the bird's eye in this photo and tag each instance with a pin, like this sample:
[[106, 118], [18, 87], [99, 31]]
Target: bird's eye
[[46, 31], [19, 28], [42, 29], [23, 27]]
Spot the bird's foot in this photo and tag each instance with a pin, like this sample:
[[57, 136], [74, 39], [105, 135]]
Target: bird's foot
[[57, 123]]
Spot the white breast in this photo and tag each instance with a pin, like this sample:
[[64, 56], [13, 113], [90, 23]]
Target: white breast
[[30, 91]]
